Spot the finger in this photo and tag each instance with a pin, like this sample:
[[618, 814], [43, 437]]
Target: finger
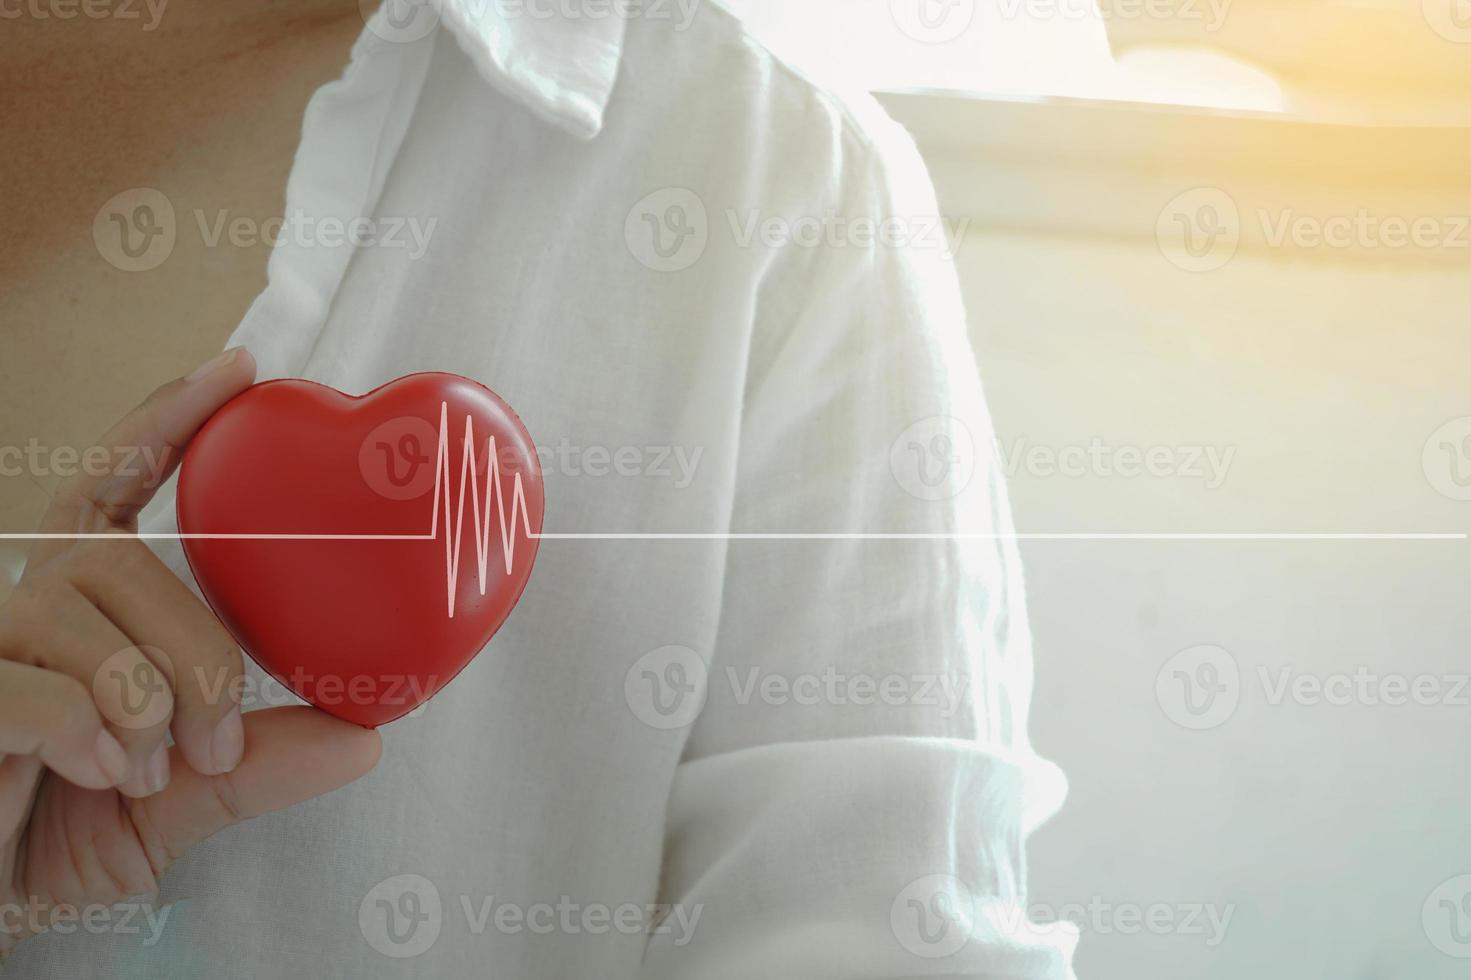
[[148, 602], [19, 775], [51, 716], [142, 450], [291, 754], [51, 625]]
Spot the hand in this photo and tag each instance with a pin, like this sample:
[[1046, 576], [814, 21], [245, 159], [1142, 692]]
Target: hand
[[102, 652]]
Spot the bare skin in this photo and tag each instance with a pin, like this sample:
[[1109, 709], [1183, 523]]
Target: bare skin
[[205, 107]]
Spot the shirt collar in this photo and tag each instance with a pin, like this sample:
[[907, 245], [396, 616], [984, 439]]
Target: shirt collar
[[559, 59]]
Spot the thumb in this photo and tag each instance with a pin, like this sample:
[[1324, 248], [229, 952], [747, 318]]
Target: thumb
[[141, 451], [291, 754]]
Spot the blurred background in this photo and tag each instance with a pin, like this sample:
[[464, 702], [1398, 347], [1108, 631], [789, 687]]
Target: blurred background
[[1189, 234]]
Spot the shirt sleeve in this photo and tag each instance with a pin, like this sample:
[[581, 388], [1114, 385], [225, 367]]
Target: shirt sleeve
[[857, 789]]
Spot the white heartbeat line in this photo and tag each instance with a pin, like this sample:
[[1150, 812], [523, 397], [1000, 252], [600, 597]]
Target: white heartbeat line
[[493, 485], [796, 536], [518, 511], [495, 490]]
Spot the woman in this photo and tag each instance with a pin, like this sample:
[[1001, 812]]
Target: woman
[[793, 747]]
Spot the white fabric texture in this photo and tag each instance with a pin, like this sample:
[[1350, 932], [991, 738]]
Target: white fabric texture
[[793, 757]]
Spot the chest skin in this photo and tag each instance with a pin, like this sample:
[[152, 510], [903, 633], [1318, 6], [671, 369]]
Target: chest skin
[[104, 296]]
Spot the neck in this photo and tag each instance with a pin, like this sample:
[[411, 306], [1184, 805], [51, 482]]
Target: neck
[[49, 43], [212, 93]]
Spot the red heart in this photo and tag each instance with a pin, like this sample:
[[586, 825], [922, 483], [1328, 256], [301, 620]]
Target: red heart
[[345, 543]]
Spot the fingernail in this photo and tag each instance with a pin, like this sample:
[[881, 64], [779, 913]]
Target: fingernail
[[212, 365], [111, 758], [227, 745], [156, 773]]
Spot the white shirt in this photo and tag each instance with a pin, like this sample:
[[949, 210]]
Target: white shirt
[[768, 757]]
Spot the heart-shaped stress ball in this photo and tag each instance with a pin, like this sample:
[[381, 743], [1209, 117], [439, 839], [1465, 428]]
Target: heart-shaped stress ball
[[362, 549]]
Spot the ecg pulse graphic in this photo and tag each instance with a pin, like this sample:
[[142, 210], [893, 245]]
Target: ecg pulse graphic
[[334, 573], [277, 465], [497, 513], [506, 513]]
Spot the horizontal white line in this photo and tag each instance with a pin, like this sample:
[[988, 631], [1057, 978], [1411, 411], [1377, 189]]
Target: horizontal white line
[[806, 536], [198, 536], [1033, 536]]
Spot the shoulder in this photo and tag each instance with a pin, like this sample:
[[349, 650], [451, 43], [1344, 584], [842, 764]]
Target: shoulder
[[701, 76]]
